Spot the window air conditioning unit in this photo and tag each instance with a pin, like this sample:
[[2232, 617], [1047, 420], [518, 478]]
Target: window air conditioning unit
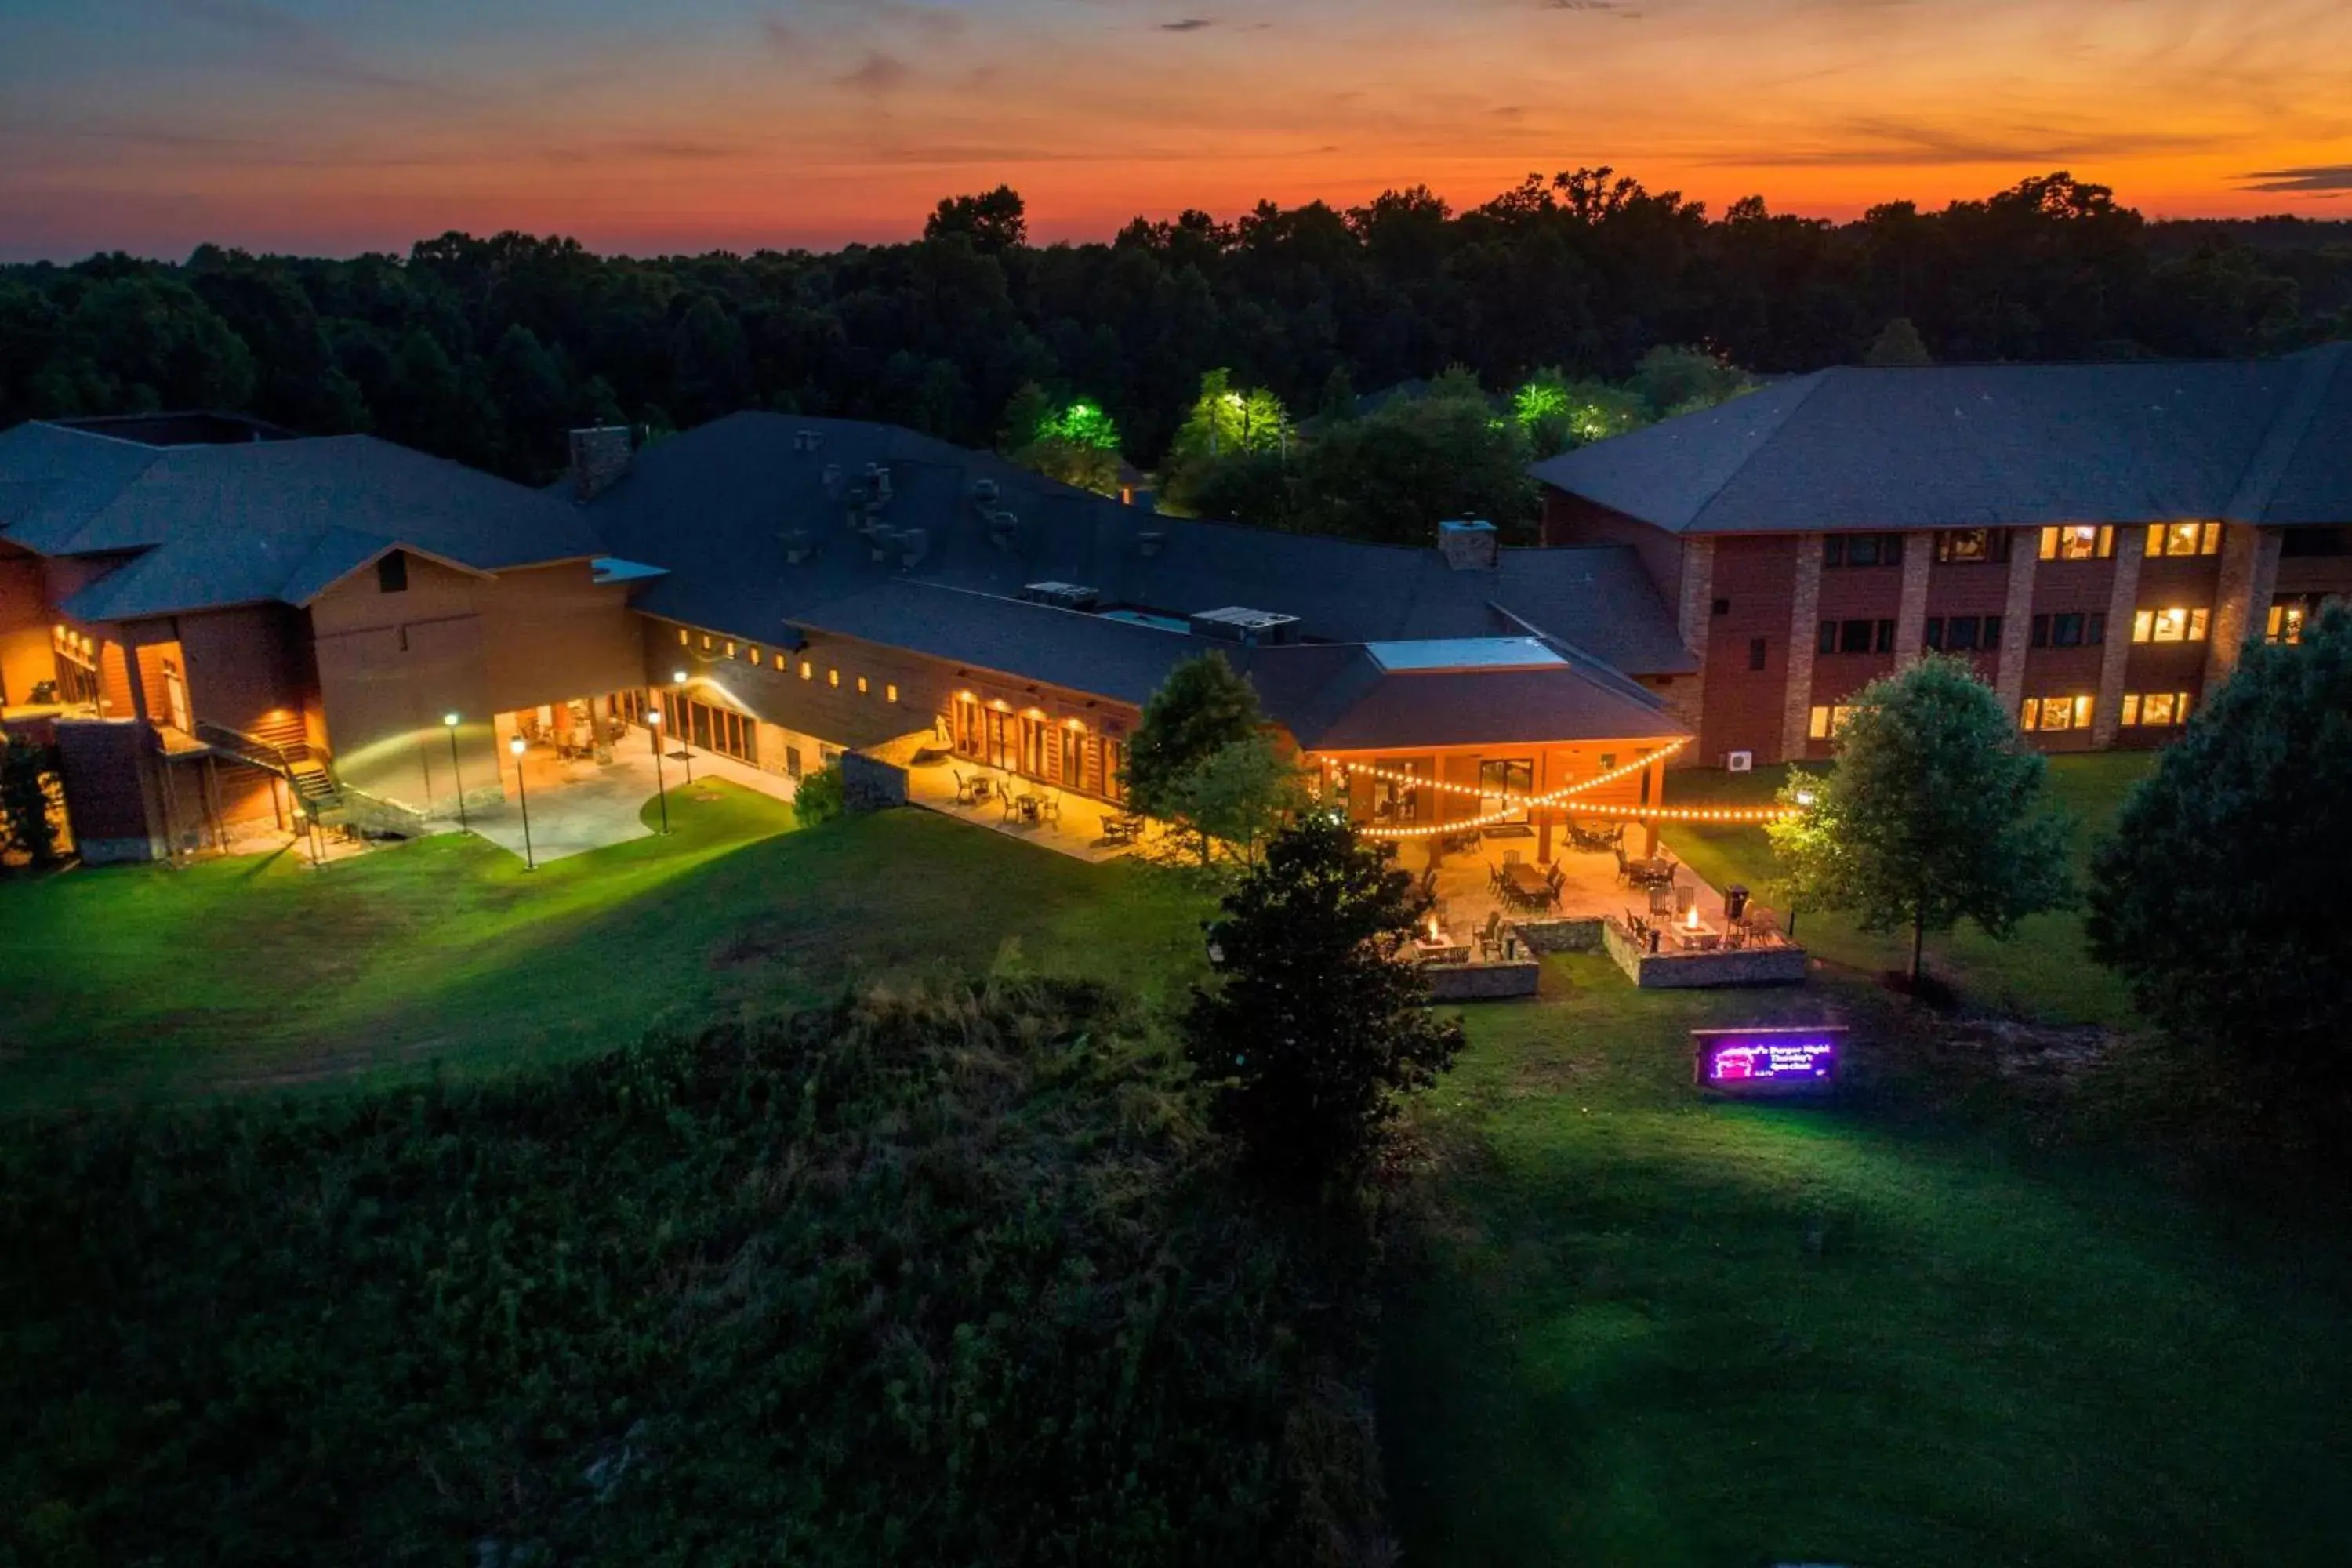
[[1740, 762]]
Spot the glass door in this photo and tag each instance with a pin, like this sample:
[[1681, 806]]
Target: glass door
[[1504, 786]]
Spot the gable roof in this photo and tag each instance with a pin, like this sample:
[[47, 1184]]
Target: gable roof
[[208, 526], [714, 507], [1992, 445]]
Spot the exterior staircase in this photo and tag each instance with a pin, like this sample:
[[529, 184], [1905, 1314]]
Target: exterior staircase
[[282, 749]]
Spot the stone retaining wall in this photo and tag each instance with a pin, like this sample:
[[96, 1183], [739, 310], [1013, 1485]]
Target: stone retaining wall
[[1481, 982], [1561, 935], [1782, 965]]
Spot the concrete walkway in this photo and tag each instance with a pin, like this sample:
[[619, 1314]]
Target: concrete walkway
[[577, 807]]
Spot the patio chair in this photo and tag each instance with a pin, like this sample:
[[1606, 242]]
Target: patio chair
[[1553, 881], [1010, 804], [1683, 897], [1049, 809], [1490, 935], [1661, 899], [963, 787], [1624, 867]]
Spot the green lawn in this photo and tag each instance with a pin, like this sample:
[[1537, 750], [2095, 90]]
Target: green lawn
[[1642, 1330], [2043, 971], [143, 981]]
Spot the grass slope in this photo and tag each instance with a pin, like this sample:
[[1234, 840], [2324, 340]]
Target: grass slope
[[1645, 1330], [942, 1276], [142, 982], [2044, 970]]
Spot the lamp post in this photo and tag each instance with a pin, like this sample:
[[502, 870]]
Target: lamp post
[[517, 745], [686, 743], [653, 717], [449, 722]]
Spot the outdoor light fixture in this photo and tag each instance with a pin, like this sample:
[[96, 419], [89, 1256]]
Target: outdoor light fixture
[[685, 746], [517, 745], [1805, 797], [653, 723], [449, 722]]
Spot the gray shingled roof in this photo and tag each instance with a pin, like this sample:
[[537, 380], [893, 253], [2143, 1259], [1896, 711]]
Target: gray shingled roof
[[215, 525], [712, 506], [1329, 695], [2001, 446]]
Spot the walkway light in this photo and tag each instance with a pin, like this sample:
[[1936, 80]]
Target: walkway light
[[653, 720], [517, 745], [685, 746], [449, 722]]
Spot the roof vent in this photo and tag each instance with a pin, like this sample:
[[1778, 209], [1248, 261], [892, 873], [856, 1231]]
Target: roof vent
[[798, 545], [984, 492], [1151, 540], [1236, 622], [877, 477], [805, 440], [914, 543], [1004, 529], [1062, 595]]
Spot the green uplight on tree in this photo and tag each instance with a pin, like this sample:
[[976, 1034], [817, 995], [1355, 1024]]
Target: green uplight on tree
[[1082, 424]]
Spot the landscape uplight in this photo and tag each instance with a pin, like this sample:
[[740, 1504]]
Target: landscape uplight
[[1805, 797]]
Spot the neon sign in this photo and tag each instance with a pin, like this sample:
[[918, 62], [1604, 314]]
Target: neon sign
[[1770, 1061]]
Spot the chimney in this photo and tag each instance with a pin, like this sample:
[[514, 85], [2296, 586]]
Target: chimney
[[1468, 545], [600, 460]]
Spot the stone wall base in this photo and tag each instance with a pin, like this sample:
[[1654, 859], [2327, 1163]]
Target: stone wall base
[[1680, 971], [1481, 982]]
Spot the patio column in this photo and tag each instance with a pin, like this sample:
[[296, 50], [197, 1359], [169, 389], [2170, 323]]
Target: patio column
[[1654, 793]]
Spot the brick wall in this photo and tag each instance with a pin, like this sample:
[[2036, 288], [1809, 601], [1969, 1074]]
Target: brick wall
[[1754, 580]]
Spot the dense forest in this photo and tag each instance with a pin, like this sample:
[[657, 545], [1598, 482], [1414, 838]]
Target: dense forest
[[489, 350]]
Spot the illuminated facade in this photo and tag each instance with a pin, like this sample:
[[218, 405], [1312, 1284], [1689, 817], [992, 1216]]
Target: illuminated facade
[[2099, 540]]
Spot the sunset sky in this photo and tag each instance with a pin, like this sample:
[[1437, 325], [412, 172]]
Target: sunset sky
[[343, 125]]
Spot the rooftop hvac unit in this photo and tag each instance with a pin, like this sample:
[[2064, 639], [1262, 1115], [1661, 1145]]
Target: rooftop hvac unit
[[1004, 529], [984, 492], [1740, 762], [1150, 540], [914, 543], [798, 546], [1238, 623], [1062, 595]]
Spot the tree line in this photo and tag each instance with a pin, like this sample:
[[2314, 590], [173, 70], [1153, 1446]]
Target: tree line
[[487, 350]]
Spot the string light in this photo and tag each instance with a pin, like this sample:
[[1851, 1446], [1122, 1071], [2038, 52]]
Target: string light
[[1513, 804]]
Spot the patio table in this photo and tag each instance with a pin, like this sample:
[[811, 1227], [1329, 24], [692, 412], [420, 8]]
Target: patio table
[[1527, 881], [1642, 871]]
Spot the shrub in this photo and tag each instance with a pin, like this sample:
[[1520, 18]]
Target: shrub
[[945, 1275], [821, 796], [27, 801]]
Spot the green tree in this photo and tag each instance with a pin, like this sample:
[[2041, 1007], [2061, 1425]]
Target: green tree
[[27, 798], [150, 342], [1395, 473], [1898, 343], [1685, 380], [2216, 897], [994, 221], [1556, 413], [1933, 812], [1237, 795], [1225, 424], [1203, 705], [1315, 1021]]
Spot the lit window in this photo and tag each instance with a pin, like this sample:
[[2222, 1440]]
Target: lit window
[[890, 692], [1961, 545], [2184, 538], [832, 678], [2077, 541], [752, 654], [807, 669], [2052, 713], [782, 663], [730, 647], [706, 642], [861, 686], [681, 637], [2157, 709], [2175, 625], [1822, 723]]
